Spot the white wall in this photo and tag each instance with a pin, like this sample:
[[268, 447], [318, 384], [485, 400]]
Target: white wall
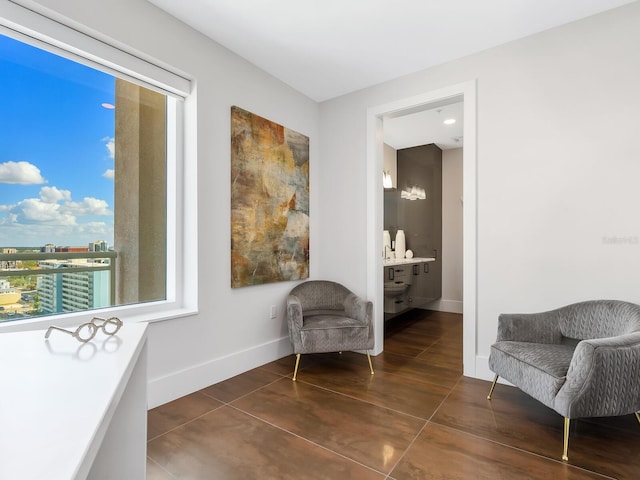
[[451, 300], [233, 331], [557, 162]]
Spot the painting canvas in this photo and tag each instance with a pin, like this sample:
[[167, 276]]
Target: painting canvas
[[269, 201]]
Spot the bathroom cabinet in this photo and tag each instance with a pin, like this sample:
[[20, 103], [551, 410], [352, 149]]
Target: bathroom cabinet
[[398, 280], [409, 284], [425, 285]]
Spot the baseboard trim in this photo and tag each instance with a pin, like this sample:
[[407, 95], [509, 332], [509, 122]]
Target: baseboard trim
[[442, 305], [178, 384]]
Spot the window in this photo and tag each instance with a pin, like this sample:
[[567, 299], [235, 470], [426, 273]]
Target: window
[[89, 174]]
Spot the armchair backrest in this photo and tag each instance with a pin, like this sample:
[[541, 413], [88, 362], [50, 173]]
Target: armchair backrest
[[599, 319], [320, 295]]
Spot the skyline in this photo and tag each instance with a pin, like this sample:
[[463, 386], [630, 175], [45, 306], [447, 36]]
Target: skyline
[[56, 149]]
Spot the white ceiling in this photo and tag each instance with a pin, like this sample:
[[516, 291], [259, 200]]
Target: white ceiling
[[426, 127], [327, 48]]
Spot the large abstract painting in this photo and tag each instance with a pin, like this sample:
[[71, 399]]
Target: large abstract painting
[[269, 201]]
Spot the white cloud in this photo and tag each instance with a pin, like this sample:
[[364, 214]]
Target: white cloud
[[54, 207], [99, 229], [88, 206], [111, 146], [9, 219], [23, 173], [34, 210], [54, 195], [110, 174]]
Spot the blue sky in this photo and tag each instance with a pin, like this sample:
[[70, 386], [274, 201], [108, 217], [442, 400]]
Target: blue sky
[[56, 149]]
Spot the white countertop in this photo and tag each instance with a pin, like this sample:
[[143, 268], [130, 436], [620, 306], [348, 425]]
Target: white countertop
[[403, 261], [57, 399]]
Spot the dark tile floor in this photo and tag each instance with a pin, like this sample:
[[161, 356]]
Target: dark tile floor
[[416, 418]]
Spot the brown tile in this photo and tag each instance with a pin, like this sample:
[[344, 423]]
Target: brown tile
[[444, 355], [468, 436], [410, 343], [628, 423], [405, 395], [513, 418], [283, 366], [368, 434], [156, 472], [416, 369], [240, 385], [173, 414], [441, 452], [413, 332], [600, 448], [228, 444]]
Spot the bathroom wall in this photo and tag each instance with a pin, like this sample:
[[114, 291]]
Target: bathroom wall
[[451, 300], [390, 163]]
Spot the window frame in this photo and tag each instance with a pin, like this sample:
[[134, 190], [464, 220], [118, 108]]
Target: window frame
[[90, 49]]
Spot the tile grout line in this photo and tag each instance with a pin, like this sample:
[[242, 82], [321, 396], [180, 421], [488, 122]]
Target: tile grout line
[[161, 467], [528, 452], [424, 426], [368, 402], [187, 422], [244, 394], [307, 440]]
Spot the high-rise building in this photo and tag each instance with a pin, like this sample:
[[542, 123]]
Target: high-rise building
[[99, 246], [70, 291]]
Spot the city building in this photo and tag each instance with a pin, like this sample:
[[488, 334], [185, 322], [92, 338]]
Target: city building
[[71, 291], [99, 246]]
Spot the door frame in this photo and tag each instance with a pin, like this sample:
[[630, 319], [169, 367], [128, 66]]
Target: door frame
[[466, 92]]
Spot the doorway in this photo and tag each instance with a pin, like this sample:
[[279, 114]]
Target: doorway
[[465, 92]]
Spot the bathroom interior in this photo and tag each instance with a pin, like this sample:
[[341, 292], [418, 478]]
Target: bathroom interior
[[422, 237]]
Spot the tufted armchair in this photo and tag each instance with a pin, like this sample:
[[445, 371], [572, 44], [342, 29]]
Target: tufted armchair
[[325, 316], [582, 360]]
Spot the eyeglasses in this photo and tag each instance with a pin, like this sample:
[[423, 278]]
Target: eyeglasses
[[87, 331]]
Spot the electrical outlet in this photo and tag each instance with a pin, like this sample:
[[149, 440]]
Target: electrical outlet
[[274, 311]]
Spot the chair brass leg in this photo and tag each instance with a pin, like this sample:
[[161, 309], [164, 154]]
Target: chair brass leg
[[295, 370], [371, 366], [638, 416], [565, 450], [493, 385]]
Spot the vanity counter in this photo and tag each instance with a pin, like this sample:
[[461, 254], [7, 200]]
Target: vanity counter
[[404, 261]]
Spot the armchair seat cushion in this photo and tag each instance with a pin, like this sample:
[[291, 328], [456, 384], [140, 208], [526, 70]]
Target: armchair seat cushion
[[539, 369], [331, 333]]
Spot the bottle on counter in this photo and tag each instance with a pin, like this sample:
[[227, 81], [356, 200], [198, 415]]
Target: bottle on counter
[[400, 244]]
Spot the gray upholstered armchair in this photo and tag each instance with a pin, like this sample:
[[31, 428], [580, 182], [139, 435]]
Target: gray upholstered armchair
[[326, 317], [582, 360]]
